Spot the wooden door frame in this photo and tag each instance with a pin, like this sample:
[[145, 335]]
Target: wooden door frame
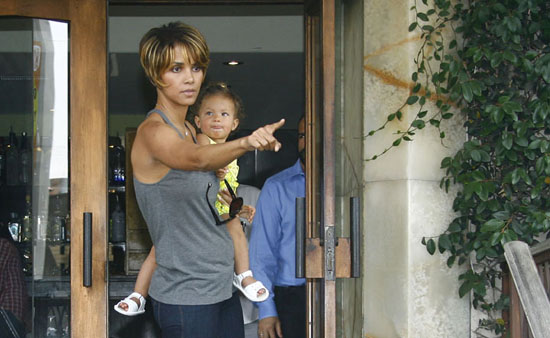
[[88, 146], [326, 10], [326, 287]]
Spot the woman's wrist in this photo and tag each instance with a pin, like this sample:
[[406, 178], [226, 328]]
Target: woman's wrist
[[245, 144]]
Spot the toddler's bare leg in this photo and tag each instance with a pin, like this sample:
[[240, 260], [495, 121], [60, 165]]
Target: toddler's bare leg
[[241, 251], [144, 278]]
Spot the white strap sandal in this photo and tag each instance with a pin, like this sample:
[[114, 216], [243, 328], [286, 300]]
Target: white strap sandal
[[250, 291], [133, 308]]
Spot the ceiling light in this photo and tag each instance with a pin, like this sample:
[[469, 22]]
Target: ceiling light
[[233, 63]]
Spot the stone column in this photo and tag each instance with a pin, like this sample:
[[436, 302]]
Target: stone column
[[406, 292]]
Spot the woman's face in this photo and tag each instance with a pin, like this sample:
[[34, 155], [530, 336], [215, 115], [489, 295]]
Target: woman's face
[[216, 117], [183, 81]]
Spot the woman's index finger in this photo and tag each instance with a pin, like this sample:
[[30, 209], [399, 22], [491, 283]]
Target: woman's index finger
[[274, 126]]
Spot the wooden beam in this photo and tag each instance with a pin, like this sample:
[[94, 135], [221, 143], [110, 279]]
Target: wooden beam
[[204, 2], [45, 9], [88, 64], [529, 286]]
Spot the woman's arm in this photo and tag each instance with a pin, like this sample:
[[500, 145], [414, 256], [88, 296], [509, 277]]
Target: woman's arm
[[158, 142]]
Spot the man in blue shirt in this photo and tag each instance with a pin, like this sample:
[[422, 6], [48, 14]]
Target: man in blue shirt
[[272, 250]]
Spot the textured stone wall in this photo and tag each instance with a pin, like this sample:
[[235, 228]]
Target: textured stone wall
[[406, 292]]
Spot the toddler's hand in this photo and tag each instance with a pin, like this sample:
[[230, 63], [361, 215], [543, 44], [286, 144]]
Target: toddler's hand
[[224, 197], [220, 173], [247, 212]]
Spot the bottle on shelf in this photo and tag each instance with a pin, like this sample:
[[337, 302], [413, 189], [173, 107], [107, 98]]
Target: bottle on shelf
[[117, 160], [2, 163], [57, 224], [12, 160], [25, 160], [14, 225], [51, 328], [118, 223], [27, 221]]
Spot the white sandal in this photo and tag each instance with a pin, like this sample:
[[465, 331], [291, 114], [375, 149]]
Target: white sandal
[[250, 291], [133, 308]]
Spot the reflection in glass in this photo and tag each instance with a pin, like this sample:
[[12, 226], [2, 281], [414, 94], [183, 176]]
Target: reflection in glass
[[34, 163]]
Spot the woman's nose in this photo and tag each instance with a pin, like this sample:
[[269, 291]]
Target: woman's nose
[[188, 75]]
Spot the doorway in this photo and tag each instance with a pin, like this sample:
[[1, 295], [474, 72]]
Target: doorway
[[268, 41]]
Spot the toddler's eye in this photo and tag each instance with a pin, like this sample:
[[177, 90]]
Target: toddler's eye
[[209, 113], [225, 114]]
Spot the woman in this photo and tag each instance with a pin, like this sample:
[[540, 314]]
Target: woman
[[191, 289]]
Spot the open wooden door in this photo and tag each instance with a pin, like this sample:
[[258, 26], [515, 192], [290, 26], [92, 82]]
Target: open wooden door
[[320, 83], [69, 297], [333, 151]]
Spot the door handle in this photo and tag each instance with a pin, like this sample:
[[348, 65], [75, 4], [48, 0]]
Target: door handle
[[355, 236], [87, 250], [300, 236]]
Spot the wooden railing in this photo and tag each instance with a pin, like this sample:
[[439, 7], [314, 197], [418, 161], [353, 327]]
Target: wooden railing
[[515, 317]]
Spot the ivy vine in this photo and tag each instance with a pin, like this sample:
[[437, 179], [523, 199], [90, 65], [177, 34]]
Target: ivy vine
[[489, 61]]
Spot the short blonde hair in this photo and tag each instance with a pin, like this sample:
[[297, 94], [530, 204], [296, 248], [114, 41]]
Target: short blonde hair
[[158, 45]]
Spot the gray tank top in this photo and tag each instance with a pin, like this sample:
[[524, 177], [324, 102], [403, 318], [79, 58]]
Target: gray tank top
[[194, 256]]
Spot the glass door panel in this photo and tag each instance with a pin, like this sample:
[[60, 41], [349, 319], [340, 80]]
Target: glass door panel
[[348, 164], [34, 166]]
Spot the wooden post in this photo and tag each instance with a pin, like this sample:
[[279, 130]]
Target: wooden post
[[529, 286]]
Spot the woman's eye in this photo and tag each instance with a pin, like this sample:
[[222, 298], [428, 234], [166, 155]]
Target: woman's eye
[[176, 69], [196, 68]]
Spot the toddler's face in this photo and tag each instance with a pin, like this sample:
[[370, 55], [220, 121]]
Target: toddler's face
[[216, 117]]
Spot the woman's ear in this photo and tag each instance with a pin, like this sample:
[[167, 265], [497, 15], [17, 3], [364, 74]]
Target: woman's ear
[[235, 124]]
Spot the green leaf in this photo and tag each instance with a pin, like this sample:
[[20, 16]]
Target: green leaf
[[412, 26], [503, 99], [454, 227], [450, 261], [492, 225], [476, 156], [391, 117], [430, 246], [422, 16], [495, 238], [418, 124], [507, 141], [522, 142], [428, 28], [412, 99], [535, 144], [444, 243], [510, 56], [467, 91], [465, 288], [515, 176], [396, 142]]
